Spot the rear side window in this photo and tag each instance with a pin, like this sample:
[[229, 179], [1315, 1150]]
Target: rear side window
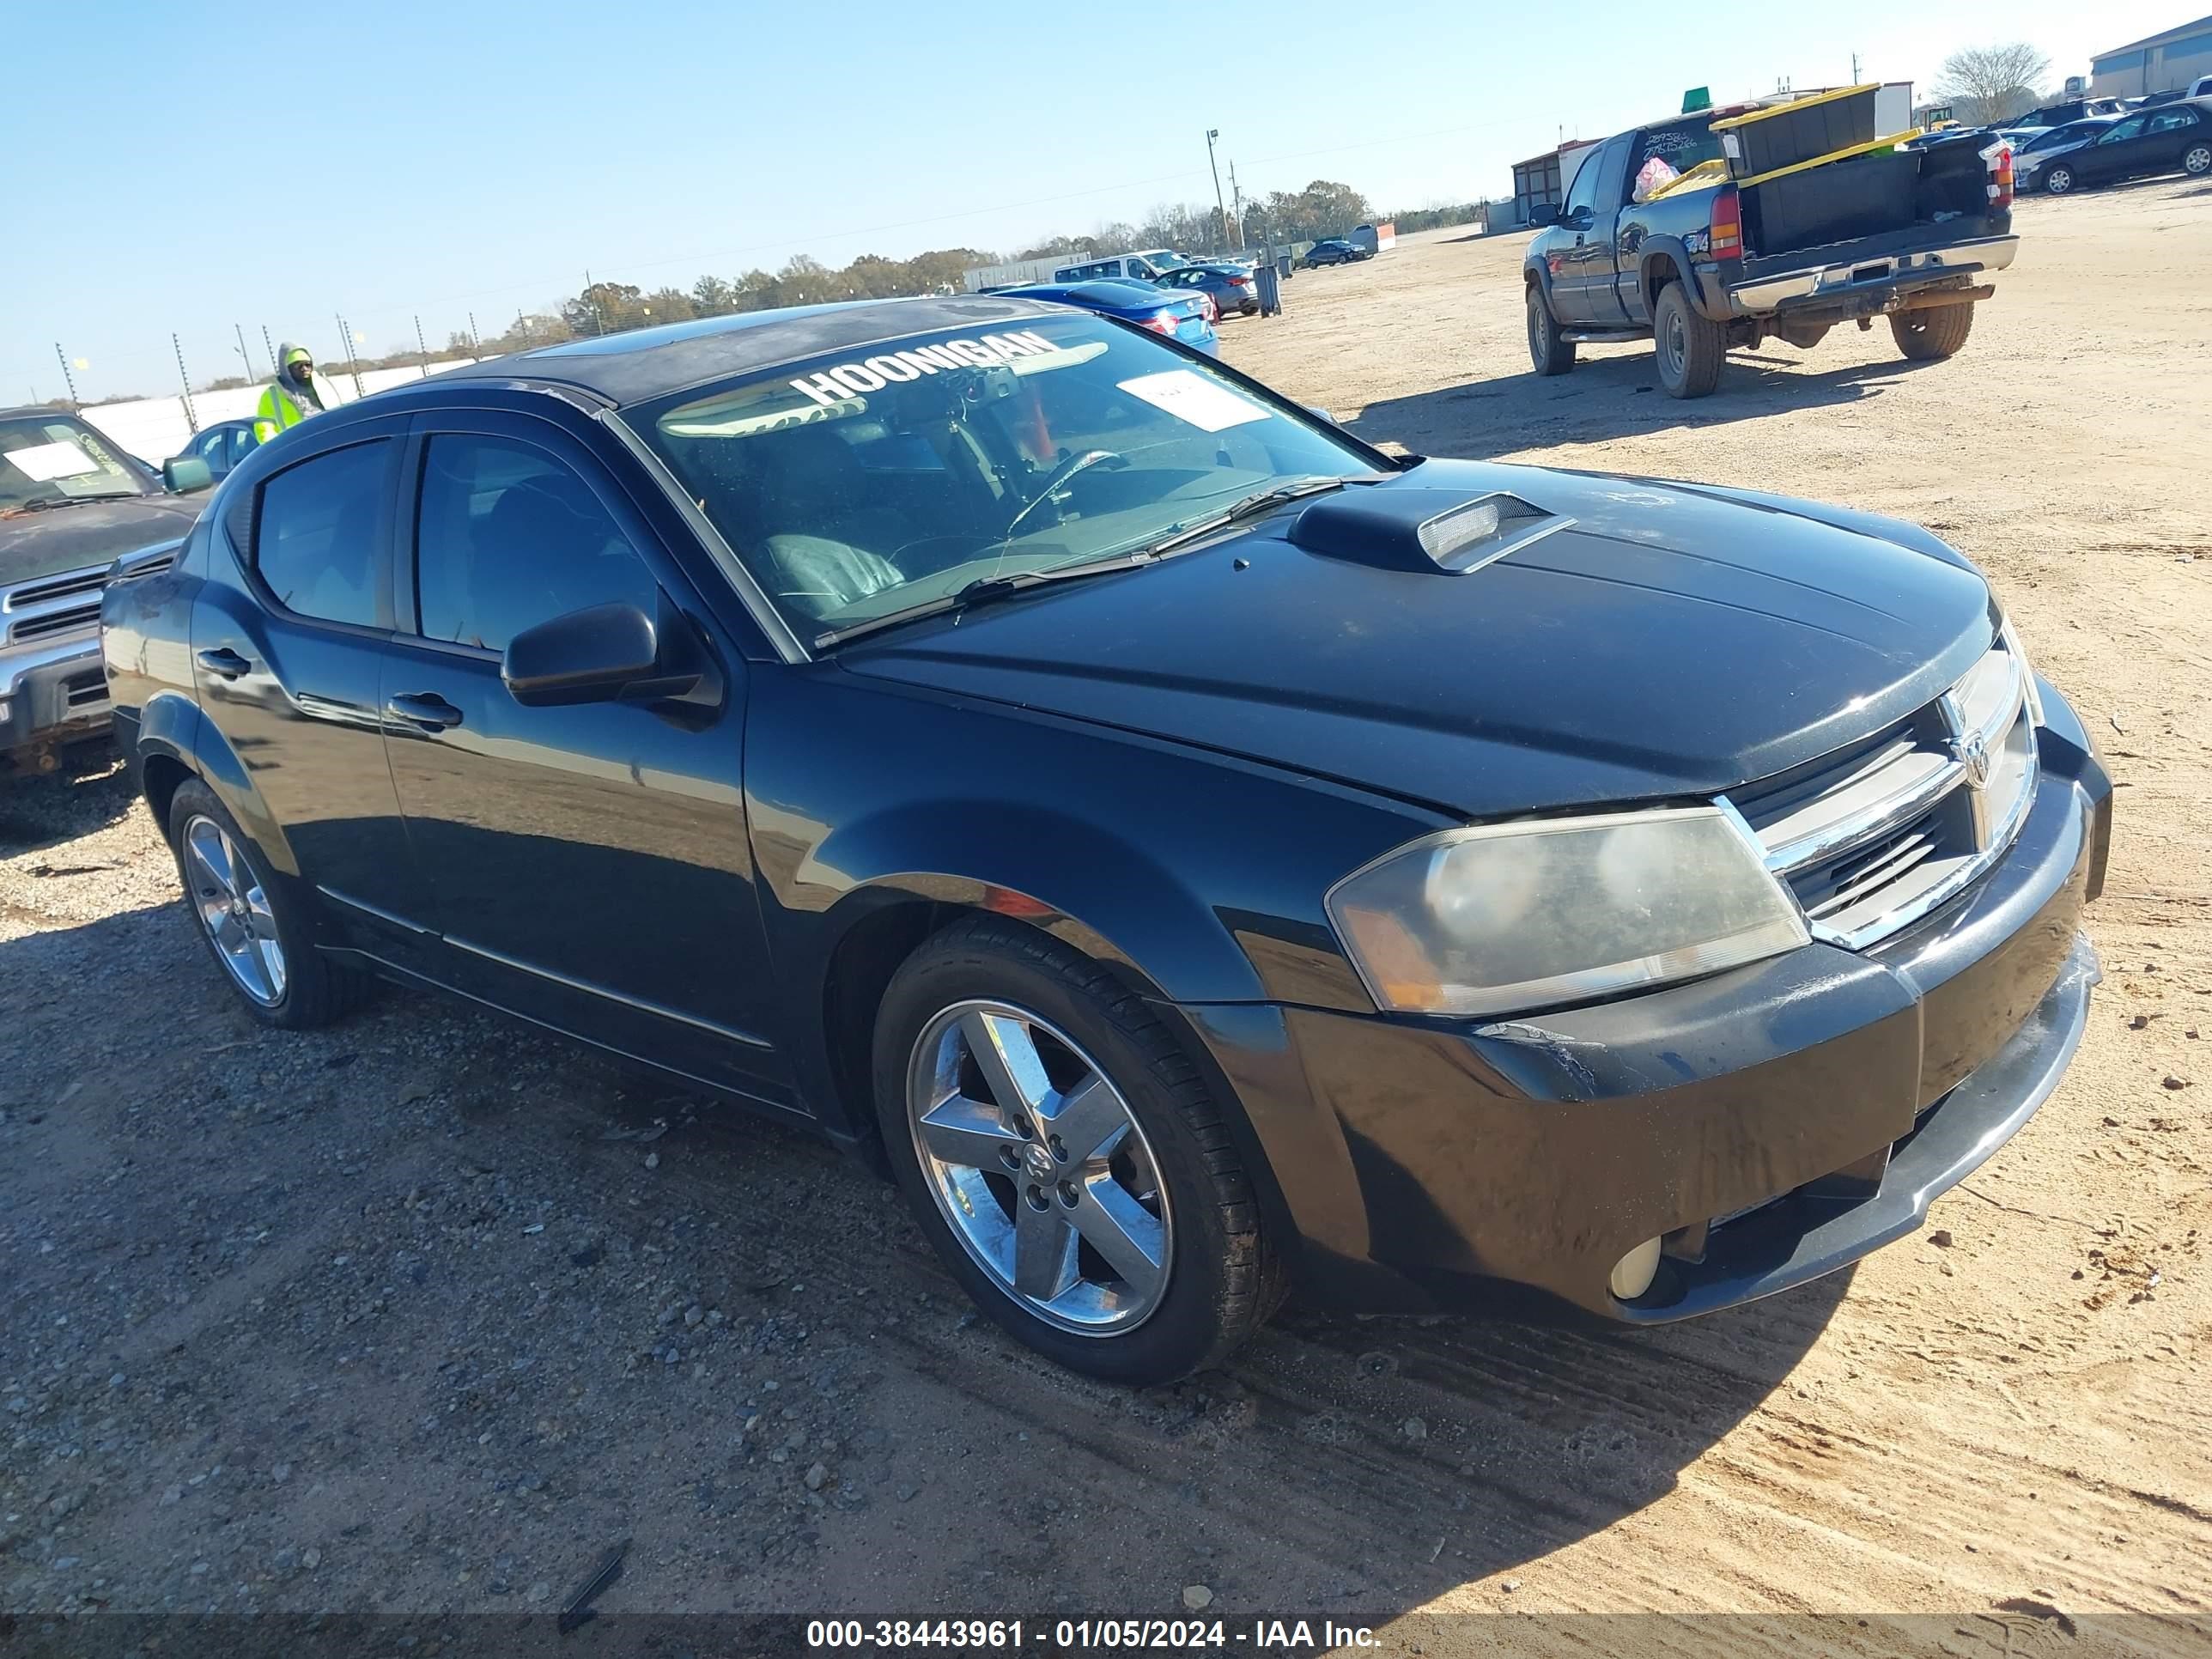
[[316, 536], [2172, 120], [509, 537]]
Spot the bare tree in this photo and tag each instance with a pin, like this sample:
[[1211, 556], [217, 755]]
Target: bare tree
[[1988, 84]]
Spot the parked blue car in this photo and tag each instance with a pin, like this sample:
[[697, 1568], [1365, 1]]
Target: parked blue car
[[1230, 287], [1178, 316]]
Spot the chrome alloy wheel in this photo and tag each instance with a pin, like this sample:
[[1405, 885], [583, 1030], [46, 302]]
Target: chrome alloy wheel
[[1039, 1166], [228, 897]]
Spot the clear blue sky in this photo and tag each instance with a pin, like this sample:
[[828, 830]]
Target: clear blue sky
[[177, 167]]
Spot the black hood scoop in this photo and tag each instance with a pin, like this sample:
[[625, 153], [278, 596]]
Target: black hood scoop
[[1438, 532]]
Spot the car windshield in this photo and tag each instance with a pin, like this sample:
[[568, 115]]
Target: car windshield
[[895, 474], [50, 458]]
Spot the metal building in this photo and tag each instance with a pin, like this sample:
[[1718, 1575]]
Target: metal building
[[2157, 62]]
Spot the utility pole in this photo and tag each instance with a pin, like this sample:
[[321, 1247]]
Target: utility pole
[[598, 320], [1213, 133], [421, 346], [238, 329], [476, 340], [1237, 201], [68, 379], [269, 347], [1855, 69]]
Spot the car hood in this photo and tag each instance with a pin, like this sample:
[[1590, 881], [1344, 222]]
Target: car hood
[[1675, 640], [43, 543]]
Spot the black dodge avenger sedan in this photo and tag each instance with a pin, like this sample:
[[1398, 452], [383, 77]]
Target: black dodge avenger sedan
[[1199, 855]]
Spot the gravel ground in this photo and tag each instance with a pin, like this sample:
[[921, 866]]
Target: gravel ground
[[424, 1313]]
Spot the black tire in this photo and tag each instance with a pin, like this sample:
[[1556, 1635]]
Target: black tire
[[1224, 1273], [1550, 351], [2058, 179], [1927, 335], [2196, 160], [1689, 348], [316, 991]]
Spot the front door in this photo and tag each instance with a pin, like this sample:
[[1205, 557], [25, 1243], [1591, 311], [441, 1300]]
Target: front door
[[1570, 254], [288, 635], [589, 863], [2115, 154]]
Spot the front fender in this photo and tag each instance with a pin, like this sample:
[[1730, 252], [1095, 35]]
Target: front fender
[[1100, 893]]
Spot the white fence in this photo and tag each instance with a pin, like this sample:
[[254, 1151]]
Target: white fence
[[154, 429]]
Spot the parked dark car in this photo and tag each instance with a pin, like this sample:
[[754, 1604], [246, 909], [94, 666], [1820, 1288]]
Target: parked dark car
[[1177, 316], [2068, 110], [1231, 288], [222, 445], [2174, 137], [1197, 854], [2031, 158], [1335, 252], [72, 501]]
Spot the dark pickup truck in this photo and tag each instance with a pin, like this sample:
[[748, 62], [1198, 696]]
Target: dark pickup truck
[[1908, 232], [73, 506]]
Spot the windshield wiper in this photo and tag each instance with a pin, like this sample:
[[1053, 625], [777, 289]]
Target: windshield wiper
[[984, 590], [1261, 501], [40, 504]]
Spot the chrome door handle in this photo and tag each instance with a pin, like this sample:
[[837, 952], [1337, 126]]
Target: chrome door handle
[[423, 708], [223, 663]]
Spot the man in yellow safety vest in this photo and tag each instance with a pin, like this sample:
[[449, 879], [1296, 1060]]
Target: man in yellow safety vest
[[297, 392]]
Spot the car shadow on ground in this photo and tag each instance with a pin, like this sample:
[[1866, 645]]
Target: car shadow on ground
[[518, 1226], [1613, 396], [90, 790]]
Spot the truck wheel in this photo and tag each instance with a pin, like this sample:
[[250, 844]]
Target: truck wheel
[[2058, 179], [1690, 349], [1925, 335], [1548, 350]]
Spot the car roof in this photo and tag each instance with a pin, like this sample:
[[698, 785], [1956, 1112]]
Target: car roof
[[21, 409], [1105, 291], [645, 362]]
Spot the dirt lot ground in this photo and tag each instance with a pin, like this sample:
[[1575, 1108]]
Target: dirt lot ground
[[420, 1313]]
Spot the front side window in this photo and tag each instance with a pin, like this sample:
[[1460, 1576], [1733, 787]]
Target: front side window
[[869, 482], [48, 459], [1581, 195], [507, 537], [316, 539]]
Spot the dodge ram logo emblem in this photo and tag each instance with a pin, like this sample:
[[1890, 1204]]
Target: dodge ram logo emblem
[[1973, 755]]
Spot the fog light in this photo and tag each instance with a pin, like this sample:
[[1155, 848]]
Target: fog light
[[1634, 1273]]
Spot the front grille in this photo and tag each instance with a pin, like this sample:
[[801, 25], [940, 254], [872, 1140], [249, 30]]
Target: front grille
[[47, 589], [1873, 837], [47, 623], [52, 606]]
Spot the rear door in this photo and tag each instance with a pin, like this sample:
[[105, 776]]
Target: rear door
[[2168, 136], [289, 636], [589, 864]]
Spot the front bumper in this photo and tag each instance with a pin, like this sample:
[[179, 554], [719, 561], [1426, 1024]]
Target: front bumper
[[55, 691], [1771, 1125]]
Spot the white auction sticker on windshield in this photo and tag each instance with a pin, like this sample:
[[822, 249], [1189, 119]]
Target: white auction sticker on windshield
[[44, 463], [1206, 404]]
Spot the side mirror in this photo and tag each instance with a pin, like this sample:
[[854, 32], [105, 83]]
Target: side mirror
[[185, 474], [586, 656]]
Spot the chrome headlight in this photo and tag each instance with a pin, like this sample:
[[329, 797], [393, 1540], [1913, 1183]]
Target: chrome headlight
[[1508, 917]]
